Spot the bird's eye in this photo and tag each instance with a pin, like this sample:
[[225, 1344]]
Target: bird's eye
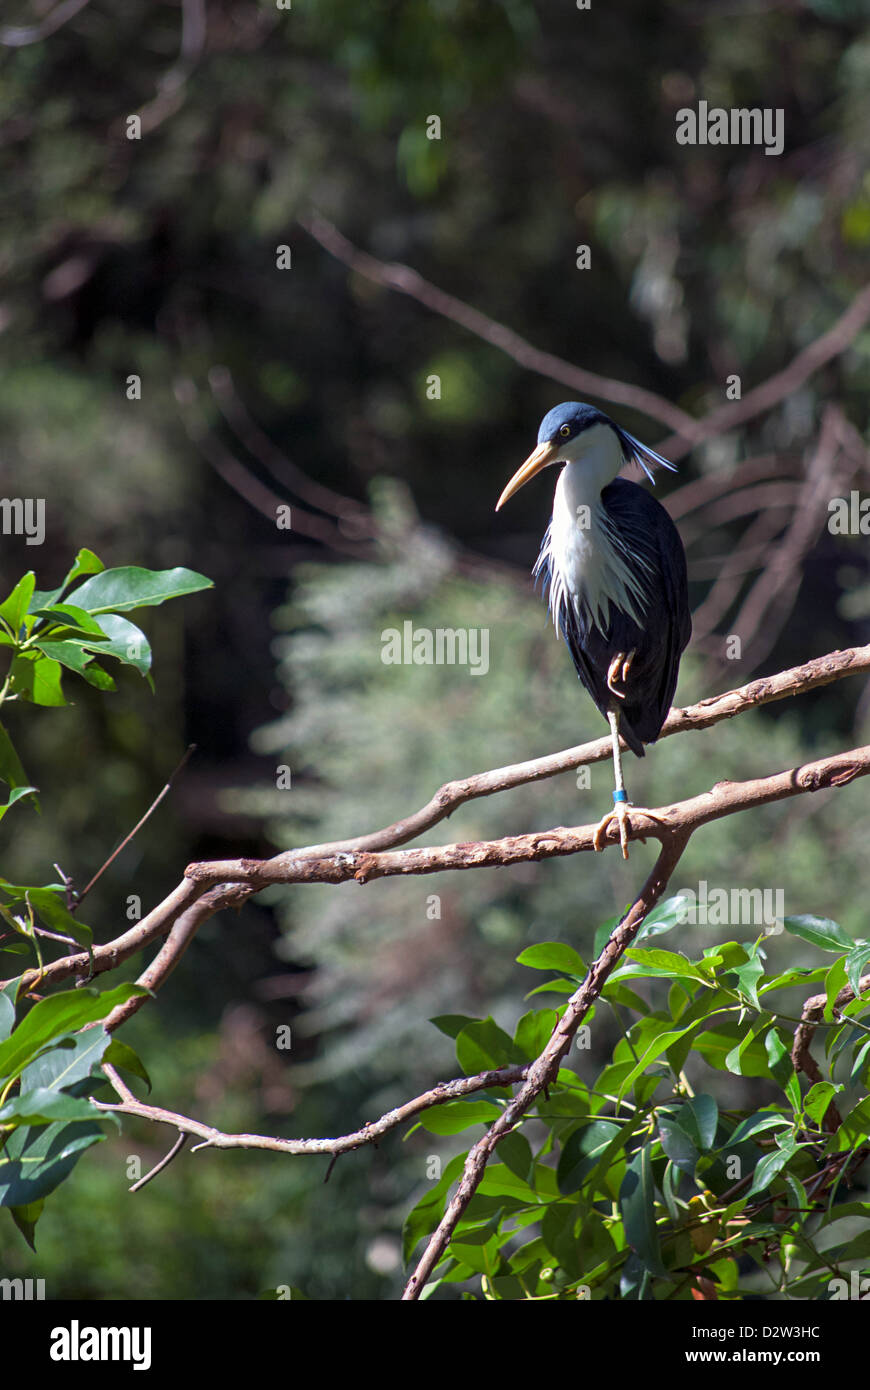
[[565, 431]]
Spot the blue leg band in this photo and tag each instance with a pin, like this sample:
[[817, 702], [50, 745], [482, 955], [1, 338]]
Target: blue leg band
[[620, 796]]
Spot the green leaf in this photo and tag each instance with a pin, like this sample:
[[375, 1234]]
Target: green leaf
[[16, 795], [604, 932], [658, 1045], [734, 1060], [14, 608], [60, 1013], [50, 906], [729, 954], [676, 1143], [779, 1057], [516, 1154], [858, 1248], [554, 986], [126, 642], [120, 590], [669, 964], [483, 1046], [820, 931], [553, 955], [664, 917], [424, 1217], [44, 1106], [855, 1129], [855, 962], [35, 1160], [818, 1098], [757, 1123], [637, 1203], [859, 1063], [501, 1185], [26, 1218], [716, 1045], [478, 1258], [118, 637], [94, 674], [73, 655], [67, 618], [11, 771], [581, 1152], [835, 980], [796, 976], [122, 1056], [534, 1031], [36, 678], [557, 1230], [86, 562], [457, 1115], [72, 1058], [700, 1116], [452, 1024], [748, 976], [767, 1168]]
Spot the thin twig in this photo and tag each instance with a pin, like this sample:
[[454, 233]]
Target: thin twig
[[171, 87], [137, 827], [35, 33], [772, 597], [764, 397], [346, 1143], [164, 1163], [687, 431], [240, 478], [407, 281], [289, 474]]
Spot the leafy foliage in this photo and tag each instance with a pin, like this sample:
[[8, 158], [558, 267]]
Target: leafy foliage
[[50, 1061], [639, 1183]]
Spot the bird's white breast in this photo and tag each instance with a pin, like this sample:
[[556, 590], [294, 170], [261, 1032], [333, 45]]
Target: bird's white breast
[[589, 566]]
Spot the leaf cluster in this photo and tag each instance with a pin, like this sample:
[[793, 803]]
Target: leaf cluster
[[638, 1183]]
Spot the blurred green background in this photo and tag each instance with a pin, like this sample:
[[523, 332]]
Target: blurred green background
[[158, 257]]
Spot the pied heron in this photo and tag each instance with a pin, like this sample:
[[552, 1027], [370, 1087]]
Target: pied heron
[[614, 565]]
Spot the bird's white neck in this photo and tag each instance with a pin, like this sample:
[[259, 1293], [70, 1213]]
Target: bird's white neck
[[597, 461]]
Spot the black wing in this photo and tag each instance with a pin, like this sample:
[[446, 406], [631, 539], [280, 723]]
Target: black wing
[[665, 626]]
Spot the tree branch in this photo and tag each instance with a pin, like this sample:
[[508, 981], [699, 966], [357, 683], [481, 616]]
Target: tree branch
[[369, 1134], [687, 431], [545, 1069], [784, 383], [407, 281], [723, 799], [54, 20], [209, 887], [820, 671]]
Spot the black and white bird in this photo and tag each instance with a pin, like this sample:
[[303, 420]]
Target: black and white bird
[[614, 565]]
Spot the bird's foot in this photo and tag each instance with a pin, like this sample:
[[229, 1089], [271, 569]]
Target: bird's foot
[[618, 672], [621, 814]]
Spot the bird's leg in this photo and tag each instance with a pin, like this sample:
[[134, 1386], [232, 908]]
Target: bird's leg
[[620, 797], [621, 802]]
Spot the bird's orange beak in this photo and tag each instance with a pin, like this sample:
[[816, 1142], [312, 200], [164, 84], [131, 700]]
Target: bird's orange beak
[[544, 454]]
